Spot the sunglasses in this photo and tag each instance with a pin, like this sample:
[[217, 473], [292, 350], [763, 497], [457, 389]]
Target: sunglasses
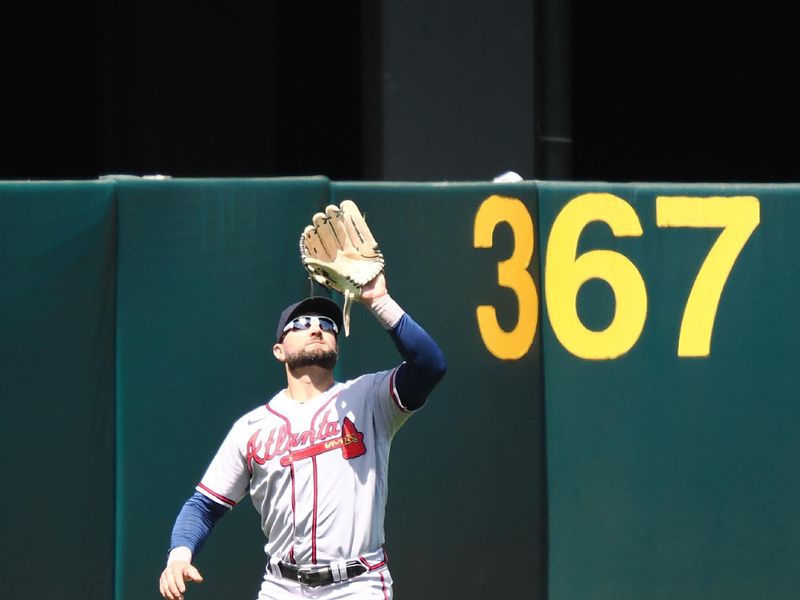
[[305, 322]]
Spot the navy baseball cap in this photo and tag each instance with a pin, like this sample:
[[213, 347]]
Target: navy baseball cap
[[319, 305]]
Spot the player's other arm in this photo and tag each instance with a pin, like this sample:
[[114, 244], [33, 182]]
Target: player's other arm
[[424, 364], [192, 528]]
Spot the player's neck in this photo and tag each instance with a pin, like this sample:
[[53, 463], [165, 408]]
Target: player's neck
[[305, 384]]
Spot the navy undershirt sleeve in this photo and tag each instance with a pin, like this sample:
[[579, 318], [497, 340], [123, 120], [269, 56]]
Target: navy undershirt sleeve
[[195, 522], [424, 362]]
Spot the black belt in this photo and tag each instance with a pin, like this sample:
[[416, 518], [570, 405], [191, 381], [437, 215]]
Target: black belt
[[317, 575]]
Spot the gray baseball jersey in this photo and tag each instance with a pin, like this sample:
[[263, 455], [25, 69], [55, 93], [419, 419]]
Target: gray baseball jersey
[[317, 472]]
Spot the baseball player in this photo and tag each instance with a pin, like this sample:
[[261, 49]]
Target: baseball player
[[314, 459]]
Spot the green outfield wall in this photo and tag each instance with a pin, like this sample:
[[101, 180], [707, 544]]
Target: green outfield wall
[[57, 363], [619, 420]]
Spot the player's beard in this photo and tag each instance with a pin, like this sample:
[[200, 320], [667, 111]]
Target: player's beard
[[311, 357]]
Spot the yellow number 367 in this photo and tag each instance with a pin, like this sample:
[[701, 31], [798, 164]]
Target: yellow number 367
[[565, 271]]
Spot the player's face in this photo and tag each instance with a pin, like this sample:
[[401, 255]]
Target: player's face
[[311, 341]]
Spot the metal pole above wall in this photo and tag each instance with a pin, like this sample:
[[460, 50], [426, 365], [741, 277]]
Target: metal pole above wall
[[553, 85]]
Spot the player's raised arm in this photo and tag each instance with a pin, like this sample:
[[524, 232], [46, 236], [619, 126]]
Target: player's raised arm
[[340, 252], [424, 364]]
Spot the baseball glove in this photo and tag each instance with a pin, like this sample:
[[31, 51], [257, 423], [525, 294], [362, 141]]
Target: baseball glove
[[339, 252]]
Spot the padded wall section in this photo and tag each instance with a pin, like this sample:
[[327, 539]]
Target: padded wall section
[[57, 303], [672, 412], [466, 490]]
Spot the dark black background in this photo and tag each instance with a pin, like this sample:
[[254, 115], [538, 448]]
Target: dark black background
[[680, 91], [673, 91]]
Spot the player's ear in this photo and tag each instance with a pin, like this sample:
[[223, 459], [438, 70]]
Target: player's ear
[[277, 351]]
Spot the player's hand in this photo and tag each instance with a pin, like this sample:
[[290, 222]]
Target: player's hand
[[374, 289], [172, 582]]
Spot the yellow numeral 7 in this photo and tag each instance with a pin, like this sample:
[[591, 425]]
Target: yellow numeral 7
[[738, 216]]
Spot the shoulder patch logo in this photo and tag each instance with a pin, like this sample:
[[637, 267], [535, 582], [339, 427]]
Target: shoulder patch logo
[[352, 440]]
